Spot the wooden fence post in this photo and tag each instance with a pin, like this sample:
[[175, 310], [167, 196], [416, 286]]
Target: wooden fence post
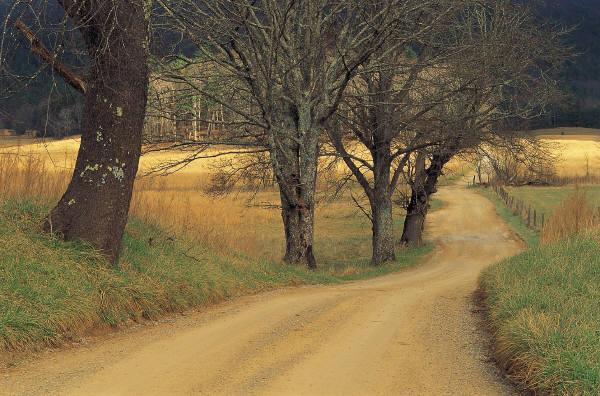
[[543, 219]]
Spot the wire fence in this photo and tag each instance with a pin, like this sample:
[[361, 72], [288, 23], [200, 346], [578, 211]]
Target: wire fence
[[531, 216], [556, 180]]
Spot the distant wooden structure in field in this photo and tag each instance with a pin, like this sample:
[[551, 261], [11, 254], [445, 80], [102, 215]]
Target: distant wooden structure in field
[[7, 133], [32, 133], [176, 114]]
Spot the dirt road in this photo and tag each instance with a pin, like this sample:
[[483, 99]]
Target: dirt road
[[412, 333]]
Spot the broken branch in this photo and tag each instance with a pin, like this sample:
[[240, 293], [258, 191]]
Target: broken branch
[[38, 49]]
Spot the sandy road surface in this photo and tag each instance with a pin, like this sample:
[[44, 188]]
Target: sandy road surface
[[412, 333]]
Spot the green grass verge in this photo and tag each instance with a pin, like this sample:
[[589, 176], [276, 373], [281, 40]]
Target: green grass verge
[[53, 291], [529, 236], [546, 199], [544, 310]]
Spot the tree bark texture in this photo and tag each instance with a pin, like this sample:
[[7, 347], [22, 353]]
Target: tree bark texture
[[294, 156], [95, 205], [381, 206], [423, 186]]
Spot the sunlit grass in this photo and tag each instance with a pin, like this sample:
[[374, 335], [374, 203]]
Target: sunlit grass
[[543, 308], [53, 291], [547, 199], [182, 248], [543, 304]]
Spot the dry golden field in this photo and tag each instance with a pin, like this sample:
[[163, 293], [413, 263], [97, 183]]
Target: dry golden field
[[578, 155], [179, 204], [579, 149], [235, 223]]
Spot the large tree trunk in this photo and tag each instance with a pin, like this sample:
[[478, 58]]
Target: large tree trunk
[[414, 223], [381, 206], [95, 206], [383, 231], [298, 222], [423, 186], [294, 156]]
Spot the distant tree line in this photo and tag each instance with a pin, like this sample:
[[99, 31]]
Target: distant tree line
[[48, 105], [580, 77]]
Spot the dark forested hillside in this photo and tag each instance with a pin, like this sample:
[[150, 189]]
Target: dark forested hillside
[[31, 97], [581, 77], [44, 103]]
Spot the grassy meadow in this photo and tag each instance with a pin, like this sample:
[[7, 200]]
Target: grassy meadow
[[542, 305], [547, 199], [182, 249], [246, 221], [578, 150]]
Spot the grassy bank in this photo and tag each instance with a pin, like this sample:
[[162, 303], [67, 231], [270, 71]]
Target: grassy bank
[[542, 305], [547, 199], [52, 291], [544, 311], [516, 223]]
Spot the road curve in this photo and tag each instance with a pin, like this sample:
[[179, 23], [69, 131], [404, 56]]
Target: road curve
[[411, 333]]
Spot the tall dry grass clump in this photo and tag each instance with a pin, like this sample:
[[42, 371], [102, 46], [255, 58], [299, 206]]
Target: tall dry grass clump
[[175, 203], [575, 215], [178, 204], [27, 175]]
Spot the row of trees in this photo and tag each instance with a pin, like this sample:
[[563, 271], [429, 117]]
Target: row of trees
[[393, 89]]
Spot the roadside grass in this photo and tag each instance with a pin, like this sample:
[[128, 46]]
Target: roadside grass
[[547, 199], [544, 311], [181, 249], [54, 291], [516, 223], [542, 305]]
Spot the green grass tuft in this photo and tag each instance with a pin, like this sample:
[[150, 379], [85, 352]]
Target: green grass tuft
[[545, 312], [53, 291]]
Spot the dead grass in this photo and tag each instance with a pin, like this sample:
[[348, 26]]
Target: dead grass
[[574, 216], [181, 249], [579, 154], [28, 175], [180, 206], [243, 222]]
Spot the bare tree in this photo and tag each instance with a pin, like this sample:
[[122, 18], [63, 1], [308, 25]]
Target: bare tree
[[510, 79], [527, 160], [375, 135], [405, 117], [292, 60], [115, 35]]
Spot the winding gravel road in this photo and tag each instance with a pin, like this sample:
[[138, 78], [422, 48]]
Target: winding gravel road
[[411, 333]]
